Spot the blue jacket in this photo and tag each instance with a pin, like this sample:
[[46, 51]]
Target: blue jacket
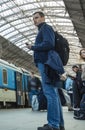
[[45, 41], [55, 62], [53, 67]]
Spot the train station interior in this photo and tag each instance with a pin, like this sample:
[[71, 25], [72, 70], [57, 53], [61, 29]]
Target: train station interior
[[17, 27], [67, 17]]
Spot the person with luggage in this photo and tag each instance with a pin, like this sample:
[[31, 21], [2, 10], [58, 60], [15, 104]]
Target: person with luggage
[[45, 41], [34, 86]]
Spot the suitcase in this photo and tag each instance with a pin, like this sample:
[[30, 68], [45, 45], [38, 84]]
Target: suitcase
[[42, 101], [62, 98]]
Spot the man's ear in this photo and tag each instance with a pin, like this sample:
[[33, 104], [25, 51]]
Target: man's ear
[[43, 19]]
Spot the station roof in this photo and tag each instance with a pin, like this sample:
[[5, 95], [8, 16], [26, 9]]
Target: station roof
[[17, 27]]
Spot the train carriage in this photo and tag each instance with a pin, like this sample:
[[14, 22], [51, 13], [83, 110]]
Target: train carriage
[[13, 85]]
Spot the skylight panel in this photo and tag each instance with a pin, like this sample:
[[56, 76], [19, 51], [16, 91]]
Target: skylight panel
[[16, 22]]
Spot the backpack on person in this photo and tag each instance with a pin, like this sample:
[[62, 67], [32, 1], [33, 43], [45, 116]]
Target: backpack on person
[[62, 47]]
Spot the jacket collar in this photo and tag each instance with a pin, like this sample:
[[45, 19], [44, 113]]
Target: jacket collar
[[40, 25]]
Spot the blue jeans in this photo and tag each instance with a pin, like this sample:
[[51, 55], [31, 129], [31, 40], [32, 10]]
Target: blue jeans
[[54, 108]]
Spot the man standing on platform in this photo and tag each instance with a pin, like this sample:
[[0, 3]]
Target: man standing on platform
[[45, 41]]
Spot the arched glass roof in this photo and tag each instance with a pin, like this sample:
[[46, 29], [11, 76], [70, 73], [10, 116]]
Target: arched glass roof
[[16, 24]]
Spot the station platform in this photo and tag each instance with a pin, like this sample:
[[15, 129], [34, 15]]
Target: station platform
[[26, 119]]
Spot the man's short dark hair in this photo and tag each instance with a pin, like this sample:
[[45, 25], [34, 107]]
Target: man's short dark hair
[[75, 66], [40, 13]]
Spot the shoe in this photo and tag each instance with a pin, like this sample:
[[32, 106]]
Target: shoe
[[81, 117], [47, 127], [62, 128]]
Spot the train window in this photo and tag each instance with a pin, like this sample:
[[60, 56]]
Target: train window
[[4, 76]]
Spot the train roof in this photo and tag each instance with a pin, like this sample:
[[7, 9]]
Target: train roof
[[25, 71], [10, 65]]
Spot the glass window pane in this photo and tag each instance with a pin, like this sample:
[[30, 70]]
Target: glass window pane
[[5, 76]]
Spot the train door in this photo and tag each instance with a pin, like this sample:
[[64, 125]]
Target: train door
[[19, 89], [26, 90]]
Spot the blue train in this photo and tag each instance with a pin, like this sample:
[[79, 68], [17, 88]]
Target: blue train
[[13, 85]]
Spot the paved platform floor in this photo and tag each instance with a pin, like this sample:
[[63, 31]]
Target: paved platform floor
[[26, 119]]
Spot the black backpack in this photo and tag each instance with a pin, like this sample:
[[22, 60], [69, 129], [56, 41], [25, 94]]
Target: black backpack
[[62, 47]]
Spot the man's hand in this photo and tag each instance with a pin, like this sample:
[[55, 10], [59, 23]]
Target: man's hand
[[28, 45]]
